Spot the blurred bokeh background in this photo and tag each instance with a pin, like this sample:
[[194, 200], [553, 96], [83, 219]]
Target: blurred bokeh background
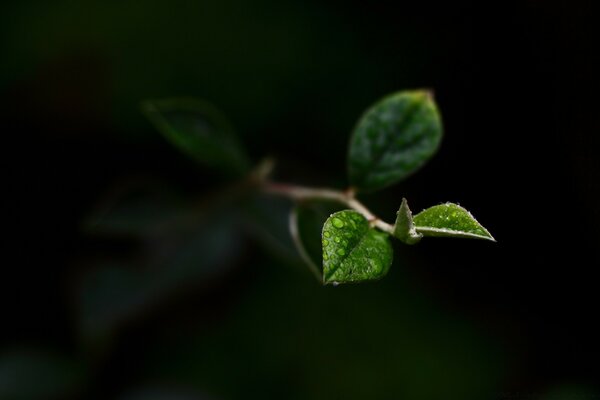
[[124, 276]]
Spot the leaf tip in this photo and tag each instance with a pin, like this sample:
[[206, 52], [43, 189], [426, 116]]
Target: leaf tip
[[490, 237], [450, 220], [429, 93], [404, 228]]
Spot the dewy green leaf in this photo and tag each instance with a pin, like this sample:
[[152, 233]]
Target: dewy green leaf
[[450, 220], [404, 228], [393, 139], [199, 130], [352, 250]]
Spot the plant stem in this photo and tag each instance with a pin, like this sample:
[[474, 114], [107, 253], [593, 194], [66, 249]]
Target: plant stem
[[347, 198], [293, 223]]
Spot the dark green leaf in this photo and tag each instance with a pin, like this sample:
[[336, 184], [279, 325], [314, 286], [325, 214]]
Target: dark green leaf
[[393, 139], [390, 337], [199, 130], [450, 220], [32, 374], [352, 250], [566, 391], [164, 392], [404, 228], [114, 293], [140, 209]]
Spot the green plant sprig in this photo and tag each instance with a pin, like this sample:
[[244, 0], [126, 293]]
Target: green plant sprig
[[393, 139]]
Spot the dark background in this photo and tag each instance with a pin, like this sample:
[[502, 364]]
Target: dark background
[[516, 84]]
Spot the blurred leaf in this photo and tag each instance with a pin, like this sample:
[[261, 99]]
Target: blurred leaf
[[393, 139], [392, 340], [306, 224], [570, 391], [352, 251], [30, 374], [199, 130], [114, 293], [404, 228], [110, 295], [164, 393], [139, 208], [450, 220]]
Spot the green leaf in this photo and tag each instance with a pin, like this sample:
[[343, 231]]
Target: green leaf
[[450, 220], [199, 130], [352, 250], [404, 228], [393, 139]]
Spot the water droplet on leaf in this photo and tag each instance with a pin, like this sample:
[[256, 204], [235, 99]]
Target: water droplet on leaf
[[338, 223]]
